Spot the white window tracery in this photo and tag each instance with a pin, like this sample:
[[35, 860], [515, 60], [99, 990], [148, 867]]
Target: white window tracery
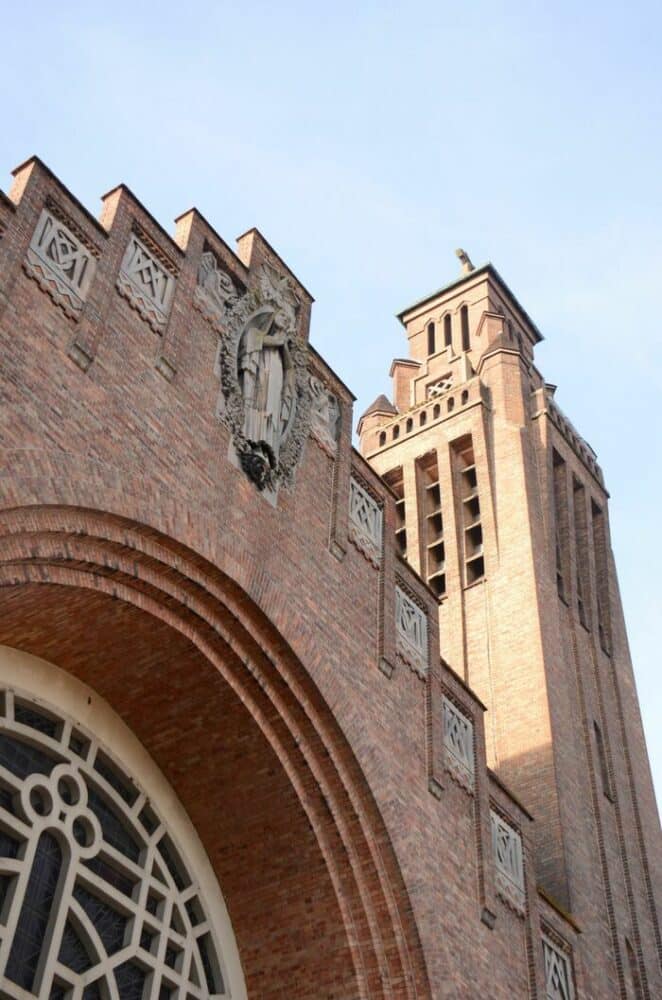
[[97, 901], [439, 387]]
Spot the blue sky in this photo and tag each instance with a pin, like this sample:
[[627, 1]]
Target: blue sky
[[367, 142]]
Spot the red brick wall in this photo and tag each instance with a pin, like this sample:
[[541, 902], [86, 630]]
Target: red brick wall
[[133, 553]]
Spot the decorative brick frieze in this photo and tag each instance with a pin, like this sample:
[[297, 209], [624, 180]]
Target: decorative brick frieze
[[365, 522], [60, 262], [508, 862], [146, 283], [559, 979], [458, 744], [411, 630]]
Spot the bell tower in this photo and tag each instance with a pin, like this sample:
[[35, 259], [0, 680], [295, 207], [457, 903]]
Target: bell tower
[[502, 509]]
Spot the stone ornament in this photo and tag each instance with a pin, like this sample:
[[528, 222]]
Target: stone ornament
[[324, 415], [365, 522], [60, 263], [146, 284], [559, 983], [439, 387], [459, 744], [263, 365], [411, 630], [215, 294], [507, 851]]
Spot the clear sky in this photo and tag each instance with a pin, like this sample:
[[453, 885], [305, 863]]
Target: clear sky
[[367, 141]]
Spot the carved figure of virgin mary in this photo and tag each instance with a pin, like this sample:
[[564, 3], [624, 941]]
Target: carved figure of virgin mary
[[266, 379]]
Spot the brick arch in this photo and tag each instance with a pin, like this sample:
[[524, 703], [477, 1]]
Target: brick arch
[[94, 553]]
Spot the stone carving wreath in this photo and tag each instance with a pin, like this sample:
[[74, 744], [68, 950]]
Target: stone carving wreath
[[263, 363]]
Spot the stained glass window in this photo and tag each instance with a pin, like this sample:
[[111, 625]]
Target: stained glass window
[[97, 892]]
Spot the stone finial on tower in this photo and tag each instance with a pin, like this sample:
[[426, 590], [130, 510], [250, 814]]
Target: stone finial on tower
[[465, 260]]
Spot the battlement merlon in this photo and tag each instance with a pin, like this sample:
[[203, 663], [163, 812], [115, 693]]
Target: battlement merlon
[[36, 189]]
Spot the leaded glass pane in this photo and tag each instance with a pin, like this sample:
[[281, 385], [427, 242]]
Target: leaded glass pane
[[68, 819], [35, 912]]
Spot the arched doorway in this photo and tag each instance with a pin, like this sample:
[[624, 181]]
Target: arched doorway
[[233, 722]]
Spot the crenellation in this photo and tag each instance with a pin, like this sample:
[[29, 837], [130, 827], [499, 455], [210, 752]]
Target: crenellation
[[260, 627]]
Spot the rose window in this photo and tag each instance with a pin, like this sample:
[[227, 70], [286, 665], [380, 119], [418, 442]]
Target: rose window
[[96, 900]]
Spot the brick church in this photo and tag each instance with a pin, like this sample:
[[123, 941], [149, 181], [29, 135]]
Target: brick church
[[280, 718]]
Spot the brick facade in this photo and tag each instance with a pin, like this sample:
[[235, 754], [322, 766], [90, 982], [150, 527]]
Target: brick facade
[[251, 642]]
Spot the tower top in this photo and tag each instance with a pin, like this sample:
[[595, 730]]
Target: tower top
[[469, 279]]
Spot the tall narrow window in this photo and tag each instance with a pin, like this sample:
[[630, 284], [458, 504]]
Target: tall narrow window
[[602, 760], [433, 557], [561, 526], [601, 567], [581, 552], [395, 480], [464, 326], [448, 331], [470, 517], [431, 338]]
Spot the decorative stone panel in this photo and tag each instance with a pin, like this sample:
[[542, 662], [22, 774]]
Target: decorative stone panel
[[458, 744], [215, 295], [365, 522], [324, 415], [411, 630], [60, 263], [146, 284], [559, 984], [507, 850]]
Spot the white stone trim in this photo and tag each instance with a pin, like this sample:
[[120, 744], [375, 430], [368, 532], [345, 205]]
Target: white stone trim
[[29, 677]]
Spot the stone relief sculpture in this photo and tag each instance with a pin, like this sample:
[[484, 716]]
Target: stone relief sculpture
[[60, 263], [266, 378], [411, 632], [263, 370], [145, 283], [215, 291], [324, 414], [366, 521]]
